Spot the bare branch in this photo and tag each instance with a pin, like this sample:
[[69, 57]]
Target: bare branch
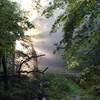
[[39, 71]]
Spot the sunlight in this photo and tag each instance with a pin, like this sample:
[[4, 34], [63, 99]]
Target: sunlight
[[25, 4], [48, 55], [20, 47], [33, 32], [32, 14], [44, 2]]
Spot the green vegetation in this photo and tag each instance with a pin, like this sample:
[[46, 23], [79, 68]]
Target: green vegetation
[[80, 20], [18, 89], [54, 86], [13, 23], [57, 86]]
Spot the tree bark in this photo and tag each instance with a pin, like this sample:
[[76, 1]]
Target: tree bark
[[5, 78]]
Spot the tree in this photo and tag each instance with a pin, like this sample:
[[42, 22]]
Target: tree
[[81, 26], [12, 26]]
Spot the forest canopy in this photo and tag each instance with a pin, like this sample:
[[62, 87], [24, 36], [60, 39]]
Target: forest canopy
[[81, 40], [12, 23], [20, 77]]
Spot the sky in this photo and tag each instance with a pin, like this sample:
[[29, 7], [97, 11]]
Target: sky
[[41, 23], [44, 44], [27, 4]]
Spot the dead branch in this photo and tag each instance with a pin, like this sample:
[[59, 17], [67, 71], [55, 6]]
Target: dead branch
[[44, 70], [28, 59], [39, 71], [20, 53]]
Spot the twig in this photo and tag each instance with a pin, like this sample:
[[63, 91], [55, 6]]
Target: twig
[[34, 71], [44, 70], [28, 59]]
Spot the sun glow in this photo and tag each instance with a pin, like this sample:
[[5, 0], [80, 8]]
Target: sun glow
[[27, 6], [32, 15]]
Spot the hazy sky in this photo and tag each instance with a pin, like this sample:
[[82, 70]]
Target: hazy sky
[[27, 4], [45, 43]]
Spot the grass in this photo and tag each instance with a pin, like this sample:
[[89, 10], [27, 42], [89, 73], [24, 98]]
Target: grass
[[59, 87], [17, 90], [55, 87]]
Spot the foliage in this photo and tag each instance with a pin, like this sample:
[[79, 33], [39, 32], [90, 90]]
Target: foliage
[[58, 86], [12, 23], [19, 89], [81, 26], [54, 4]]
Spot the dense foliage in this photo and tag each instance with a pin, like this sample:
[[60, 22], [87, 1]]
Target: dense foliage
[[13, 23], [81, 26]]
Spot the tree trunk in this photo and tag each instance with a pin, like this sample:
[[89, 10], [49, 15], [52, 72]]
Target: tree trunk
[[5, 72], [35, 59], [13, 59]]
